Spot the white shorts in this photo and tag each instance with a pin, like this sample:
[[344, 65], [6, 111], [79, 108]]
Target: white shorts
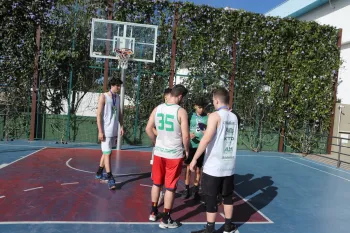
[[108, 145]]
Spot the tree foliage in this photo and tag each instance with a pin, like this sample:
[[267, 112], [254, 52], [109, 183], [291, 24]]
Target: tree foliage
[[273, 55]]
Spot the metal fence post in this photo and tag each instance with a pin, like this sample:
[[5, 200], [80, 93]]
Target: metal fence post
[[339, 151]]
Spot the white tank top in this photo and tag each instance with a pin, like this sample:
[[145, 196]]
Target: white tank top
[[169, 139], [220, 157], [111, 116]]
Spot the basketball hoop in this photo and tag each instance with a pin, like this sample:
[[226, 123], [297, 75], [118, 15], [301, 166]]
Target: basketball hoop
[[123, 56]]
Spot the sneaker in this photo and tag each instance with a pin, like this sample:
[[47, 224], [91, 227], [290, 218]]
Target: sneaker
[[186, 194], [153, 217], [169, 224], [111, 183], [196, 196], [230, 228], [101, 176], [205, 230]]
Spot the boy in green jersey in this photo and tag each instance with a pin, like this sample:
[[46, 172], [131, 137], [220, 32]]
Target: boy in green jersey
[[198, 123]]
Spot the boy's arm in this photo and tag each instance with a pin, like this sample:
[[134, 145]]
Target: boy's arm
[[155, 131], [100, 106], [183, 119], [121, 123], [208, 135], [150, 127]]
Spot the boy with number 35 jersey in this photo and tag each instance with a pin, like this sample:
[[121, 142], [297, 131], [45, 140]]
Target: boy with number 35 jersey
[[171, 122]]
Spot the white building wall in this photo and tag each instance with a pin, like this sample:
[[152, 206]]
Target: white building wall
[[87, 106], [337, 14]]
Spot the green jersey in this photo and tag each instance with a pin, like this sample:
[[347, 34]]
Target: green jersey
[[197, 125]]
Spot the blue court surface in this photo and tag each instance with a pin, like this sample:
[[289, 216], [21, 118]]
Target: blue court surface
[[47, 187]]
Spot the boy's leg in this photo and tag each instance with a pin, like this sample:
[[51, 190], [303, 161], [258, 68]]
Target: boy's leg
[[186, 194], [198, 177], [173, 169], [158, 174], [210, 187], [107, 146], [99, 173], [227, 196]]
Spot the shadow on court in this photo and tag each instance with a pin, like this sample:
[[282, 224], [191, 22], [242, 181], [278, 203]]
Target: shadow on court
[[260, 192]]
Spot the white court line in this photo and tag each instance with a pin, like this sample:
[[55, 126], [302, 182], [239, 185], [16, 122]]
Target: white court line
[[318, 163], [20, 145], [118, 223], [67, 163], [2, 197], [26, 190], [115, 175], [70, 183], [317, 169], [269, 220], [24, 157]]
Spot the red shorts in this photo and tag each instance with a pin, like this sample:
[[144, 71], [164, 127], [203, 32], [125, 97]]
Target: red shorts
[[166, 171]]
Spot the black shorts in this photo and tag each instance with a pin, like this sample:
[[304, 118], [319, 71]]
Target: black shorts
[[191, 155], [213, 186]]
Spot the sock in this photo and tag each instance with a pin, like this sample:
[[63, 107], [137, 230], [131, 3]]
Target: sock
[[109, 175], [187, 186], [154, 207], [196, 188], [228, 221], [210, 226], [166, 214], [100, 170]]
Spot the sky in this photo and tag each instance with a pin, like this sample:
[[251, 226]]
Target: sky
[[257, 6]]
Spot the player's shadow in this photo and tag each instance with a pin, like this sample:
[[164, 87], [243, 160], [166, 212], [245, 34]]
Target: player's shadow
[[135, 178], [245, 186]]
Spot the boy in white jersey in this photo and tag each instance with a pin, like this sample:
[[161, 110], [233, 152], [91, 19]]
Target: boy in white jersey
[[171, 122], [220, 143], [166, 95], [108, 118]]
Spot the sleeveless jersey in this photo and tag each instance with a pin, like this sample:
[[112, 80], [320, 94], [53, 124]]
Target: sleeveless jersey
[[220, 157], [110, 118], [169, 139]]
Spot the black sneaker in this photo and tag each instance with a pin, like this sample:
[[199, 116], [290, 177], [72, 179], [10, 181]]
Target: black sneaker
[[186, 194], [205, 230], [164, 224], [230, 228], [111, 183], [196, 196]]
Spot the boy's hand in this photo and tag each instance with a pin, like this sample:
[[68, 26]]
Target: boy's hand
[[101, 137]]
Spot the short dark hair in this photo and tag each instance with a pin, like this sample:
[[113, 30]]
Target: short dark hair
[[115, 82], [179, 90], [167, 91], [222, 94], [200, 102]]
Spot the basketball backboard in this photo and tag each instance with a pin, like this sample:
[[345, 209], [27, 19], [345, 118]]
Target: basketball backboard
[[141, 38]]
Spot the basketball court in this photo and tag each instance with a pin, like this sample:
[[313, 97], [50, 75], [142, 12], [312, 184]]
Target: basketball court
[[51, 188]]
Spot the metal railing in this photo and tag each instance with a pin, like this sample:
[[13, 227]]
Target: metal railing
[[339, 152]]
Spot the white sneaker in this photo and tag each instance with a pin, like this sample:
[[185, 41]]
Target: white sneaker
[[153, 217], [169, 224]]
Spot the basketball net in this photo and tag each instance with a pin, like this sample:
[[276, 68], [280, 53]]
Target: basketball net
[[123, 56]]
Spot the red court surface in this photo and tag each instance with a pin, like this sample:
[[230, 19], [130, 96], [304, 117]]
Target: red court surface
[[58, 184]]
